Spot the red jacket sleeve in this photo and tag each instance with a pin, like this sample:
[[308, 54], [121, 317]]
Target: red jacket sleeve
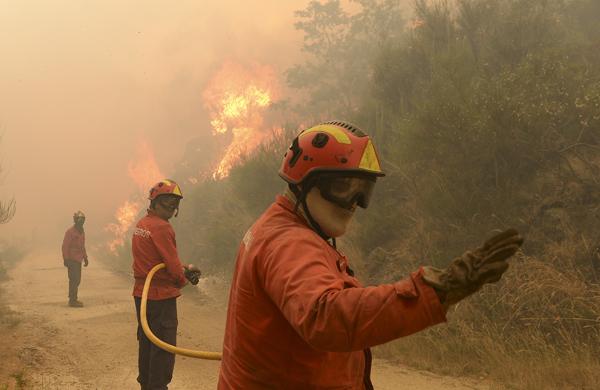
[[66, 245], [312, 297], [164, 240]]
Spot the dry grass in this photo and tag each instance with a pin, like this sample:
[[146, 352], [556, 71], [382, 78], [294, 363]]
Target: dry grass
[[8, 318], [537, 329], [9, 255]]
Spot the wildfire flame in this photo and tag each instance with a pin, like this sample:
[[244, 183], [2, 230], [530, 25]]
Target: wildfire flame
[[237, 99], [145, 172], [125, 217]]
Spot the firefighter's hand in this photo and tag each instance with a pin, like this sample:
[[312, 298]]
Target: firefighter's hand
[[192, 273], [85, 262], [468, 273]]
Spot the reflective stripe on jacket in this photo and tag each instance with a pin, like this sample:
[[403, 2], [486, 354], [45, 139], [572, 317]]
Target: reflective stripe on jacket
[[73, 246], [153, 243], [296, 318]]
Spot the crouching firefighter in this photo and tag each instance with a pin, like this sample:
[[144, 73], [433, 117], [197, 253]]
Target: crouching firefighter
[[153, 243], [297, 317]]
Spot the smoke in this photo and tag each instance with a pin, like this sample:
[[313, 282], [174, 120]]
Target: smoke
[[82, 83]]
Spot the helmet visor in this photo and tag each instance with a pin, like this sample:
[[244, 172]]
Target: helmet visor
[[169, 201], [346, 191]]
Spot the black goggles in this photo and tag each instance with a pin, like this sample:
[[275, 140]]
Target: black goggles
[[169, 204], [346, 191]]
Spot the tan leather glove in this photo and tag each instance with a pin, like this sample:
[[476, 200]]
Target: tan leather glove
[[468, 273]]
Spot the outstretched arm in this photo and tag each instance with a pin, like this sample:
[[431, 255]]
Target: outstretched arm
[[312, 297]]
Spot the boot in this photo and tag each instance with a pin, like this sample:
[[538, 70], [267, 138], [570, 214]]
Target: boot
[[75, 303]]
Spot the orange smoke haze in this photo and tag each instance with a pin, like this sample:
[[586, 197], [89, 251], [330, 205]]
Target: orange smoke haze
[[82, 82], [143, 170]]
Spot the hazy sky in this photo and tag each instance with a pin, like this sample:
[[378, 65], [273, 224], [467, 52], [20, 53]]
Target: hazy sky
[[83, 82]]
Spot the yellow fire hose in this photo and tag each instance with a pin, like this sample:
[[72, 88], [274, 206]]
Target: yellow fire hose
[[158, 342]]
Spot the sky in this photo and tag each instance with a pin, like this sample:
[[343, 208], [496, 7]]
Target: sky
[[82, 83]]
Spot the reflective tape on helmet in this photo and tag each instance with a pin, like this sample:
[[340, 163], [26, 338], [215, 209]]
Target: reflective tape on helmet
[[334, 131], [369, 160]]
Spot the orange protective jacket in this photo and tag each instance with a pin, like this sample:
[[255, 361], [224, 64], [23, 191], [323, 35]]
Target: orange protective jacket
[[298, 320], [153, 243]]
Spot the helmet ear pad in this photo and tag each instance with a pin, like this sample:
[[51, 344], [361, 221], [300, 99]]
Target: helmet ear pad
[[301, 192]]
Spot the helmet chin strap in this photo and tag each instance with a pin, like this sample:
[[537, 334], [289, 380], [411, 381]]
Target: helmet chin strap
[[301, 200]]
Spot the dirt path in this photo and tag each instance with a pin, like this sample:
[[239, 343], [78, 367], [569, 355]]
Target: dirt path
[[94, 347]]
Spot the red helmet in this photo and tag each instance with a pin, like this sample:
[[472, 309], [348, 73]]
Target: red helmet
[[165, 187], [330, 147]]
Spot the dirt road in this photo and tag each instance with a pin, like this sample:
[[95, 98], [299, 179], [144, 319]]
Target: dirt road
[[58, 347]]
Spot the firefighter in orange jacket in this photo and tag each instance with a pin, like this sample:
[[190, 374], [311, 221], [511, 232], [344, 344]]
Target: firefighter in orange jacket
[[154, 243], [74, 253], [297, 317]]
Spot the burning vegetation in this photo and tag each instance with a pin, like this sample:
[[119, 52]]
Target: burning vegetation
[[144, 172], [237, 98]]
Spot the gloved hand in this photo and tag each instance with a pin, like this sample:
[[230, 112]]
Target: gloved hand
[[85, 262], [468, 273], [192, 274]]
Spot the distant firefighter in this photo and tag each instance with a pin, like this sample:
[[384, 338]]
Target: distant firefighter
[[153, 243], [73, 251]]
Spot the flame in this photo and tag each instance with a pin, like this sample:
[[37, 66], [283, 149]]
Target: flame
[[125, 217], [144, 172], [237, 99]]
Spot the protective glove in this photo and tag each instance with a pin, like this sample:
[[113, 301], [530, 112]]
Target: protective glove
[[85, 262], [468, 273], [192, 274]]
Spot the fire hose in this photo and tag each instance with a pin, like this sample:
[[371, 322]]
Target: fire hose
[[158, 342]]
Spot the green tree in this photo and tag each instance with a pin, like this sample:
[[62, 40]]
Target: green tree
[[484, 106], [339, 47]]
